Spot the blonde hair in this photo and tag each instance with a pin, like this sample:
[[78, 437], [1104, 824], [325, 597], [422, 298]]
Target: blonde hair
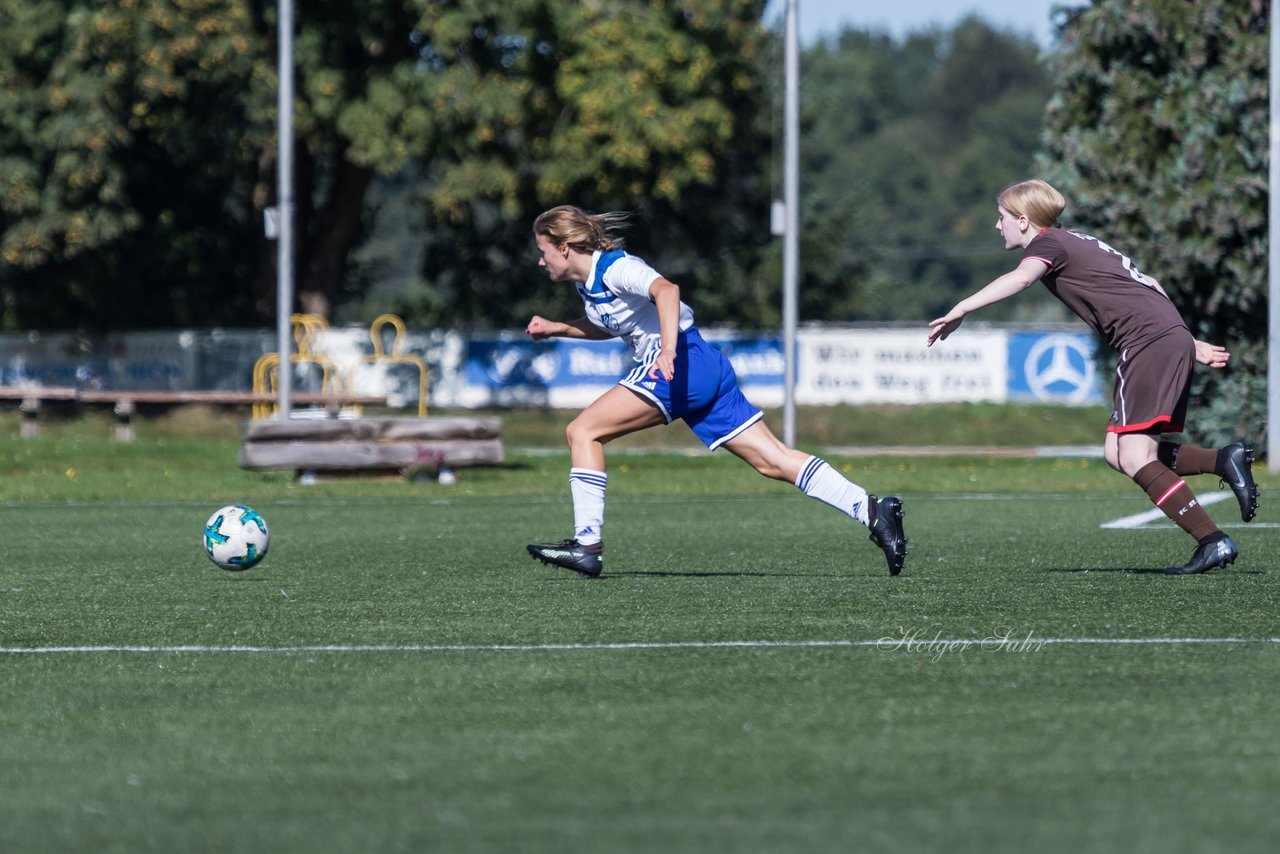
[[580, 230], [1034, 199]]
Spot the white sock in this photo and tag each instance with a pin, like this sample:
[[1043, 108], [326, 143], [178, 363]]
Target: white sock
[[819, 480], [587, 488]]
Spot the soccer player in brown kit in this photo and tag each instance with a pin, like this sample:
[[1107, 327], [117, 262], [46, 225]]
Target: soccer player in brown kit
[[1153, 378]]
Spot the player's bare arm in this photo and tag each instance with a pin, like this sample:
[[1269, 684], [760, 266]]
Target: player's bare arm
[[540, 328], [1015, 281], [666, 296]]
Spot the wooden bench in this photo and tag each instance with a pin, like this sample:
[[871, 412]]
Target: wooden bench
[[427, 445], [408, 446], [125, 402], [30, 401]]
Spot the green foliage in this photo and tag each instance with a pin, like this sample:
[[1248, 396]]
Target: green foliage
[[1158, 136], [138, 155], [122, 137], [138, 151], [906, 145], [651, 107]]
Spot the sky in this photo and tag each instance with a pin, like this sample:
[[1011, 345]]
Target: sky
[[820, 18]]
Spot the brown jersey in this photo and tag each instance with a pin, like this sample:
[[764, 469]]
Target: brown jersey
[[1103, 287]]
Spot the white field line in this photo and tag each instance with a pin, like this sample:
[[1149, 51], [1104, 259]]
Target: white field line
[[907, 643], [1137, 520]]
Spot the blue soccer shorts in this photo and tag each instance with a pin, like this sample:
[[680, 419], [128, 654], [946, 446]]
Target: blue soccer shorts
[[704, 391]]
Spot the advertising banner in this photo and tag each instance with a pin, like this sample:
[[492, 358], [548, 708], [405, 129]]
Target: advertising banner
[[1054, 367], [515, 371], [890, 366], [833, 365], [152, 361], [51, 359]]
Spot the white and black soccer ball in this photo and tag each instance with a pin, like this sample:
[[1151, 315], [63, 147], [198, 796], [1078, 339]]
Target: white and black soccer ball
[[236, 537]]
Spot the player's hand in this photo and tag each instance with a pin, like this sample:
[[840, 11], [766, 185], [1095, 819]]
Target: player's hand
[[664, 367], [943, 326], [540, 327], [1211, 354]]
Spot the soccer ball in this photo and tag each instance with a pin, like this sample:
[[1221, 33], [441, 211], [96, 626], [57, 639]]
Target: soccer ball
[[236, 537]]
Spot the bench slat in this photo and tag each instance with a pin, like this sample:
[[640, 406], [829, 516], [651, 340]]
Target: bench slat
[[355, 456], [371, 429]]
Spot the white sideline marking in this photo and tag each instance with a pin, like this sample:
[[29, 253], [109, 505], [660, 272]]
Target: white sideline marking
[[886, 642], [1137, 520]]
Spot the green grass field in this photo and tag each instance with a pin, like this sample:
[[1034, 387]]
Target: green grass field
[[398, 675]]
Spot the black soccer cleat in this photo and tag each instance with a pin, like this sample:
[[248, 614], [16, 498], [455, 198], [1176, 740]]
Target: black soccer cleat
[[1234, 467], [584, 560], [886, 530], [1207, 556]]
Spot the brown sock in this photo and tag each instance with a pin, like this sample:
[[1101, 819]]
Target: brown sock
[[1172, 495], [1187, 459]]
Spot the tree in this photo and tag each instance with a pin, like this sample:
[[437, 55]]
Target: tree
[[107, 180], [137, 144], [653, 107], [907, 144], [1158, 137], [142, 155]]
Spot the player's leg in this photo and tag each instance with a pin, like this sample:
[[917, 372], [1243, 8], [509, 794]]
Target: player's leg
[[767, 454], [1152, 389], [1111, 451], [1135, 451], [615, 413], [1168, 491], [1163, 486], [759, 448], [1232, 463], [719, 414]]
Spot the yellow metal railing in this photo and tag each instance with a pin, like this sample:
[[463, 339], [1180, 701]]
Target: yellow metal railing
[[308, 330], [381, 356]]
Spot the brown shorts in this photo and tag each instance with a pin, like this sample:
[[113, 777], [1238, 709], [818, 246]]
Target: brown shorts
[[1153, 384]]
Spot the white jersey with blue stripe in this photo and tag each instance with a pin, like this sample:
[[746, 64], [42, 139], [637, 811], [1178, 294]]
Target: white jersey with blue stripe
[[616, 297]]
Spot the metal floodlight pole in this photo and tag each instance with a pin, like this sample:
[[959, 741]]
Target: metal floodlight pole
[[1273, 259], [284, 208], [791, 216]]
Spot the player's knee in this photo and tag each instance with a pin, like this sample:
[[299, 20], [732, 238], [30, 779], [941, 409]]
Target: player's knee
[[1131, 464], [579, 431], [1131, 468]]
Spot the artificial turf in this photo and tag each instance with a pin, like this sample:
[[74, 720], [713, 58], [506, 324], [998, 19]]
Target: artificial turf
[[398, 675]]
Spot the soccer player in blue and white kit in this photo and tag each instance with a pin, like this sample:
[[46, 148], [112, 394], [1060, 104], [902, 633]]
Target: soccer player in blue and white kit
[[677, 375]]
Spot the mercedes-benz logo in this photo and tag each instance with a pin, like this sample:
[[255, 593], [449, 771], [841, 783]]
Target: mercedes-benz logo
[[1060, 368]]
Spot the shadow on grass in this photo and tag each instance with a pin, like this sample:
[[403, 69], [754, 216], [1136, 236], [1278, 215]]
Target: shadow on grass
[[655, 573], [1137, 570], [710, 574], [1149, 571]]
